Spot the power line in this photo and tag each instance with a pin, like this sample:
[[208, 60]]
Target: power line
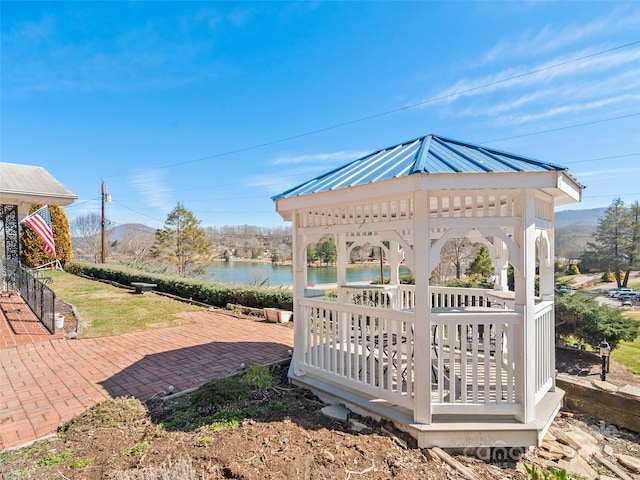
[[562, 128], [601, 158], [135, 211], [613, 195], [407, 107]]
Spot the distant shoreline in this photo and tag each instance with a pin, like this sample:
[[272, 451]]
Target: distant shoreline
[[289, 263]]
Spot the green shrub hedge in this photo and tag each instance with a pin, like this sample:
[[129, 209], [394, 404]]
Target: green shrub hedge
[[211, 293]]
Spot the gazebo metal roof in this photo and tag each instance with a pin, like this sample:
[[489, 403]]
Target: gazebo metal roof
[[431, 154]]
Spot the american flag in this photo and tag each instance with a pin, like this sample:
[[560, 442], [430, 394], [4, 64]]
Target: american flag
[[41, 224]]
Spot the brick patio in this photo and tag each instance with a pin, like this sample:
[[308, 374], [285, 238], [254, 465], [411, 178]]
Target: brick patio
[[47, 379]]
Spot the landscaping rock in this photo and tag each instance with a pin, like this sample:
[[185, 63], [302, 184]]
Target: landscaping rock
[[564, 438], [629, 462], [630, 390], [606, 386], [580, 467], [337, 412], [356, 426], [558, 449], [581, 437]]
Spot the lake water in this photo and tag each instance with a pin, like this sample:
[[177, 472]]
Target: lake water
[[276, 275]]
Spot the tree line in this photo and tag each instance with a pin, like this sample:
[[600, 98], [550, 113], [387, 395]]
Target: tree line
[[185, 246]]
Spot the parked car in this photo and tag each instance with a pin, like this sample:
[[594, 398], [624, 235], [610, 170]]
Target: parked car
[[564, 289], [616, 292], [627, 301]]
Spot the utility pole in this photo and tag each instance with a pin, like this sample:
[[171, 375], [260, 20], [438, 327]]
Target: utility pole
[[106, 197]]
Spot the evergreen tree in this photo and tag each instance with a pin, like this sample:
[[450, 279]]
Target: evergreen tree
[[583, 318], [481, 265], [182, 243], [573, 270], [312, 254], [327, 251], [608, 277], [614, 240], [32, 250], [634, 241], [61, 234]]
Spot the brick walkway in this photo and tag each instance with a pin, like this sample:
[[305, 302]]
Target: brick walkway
[[20, 326], [45, 382]]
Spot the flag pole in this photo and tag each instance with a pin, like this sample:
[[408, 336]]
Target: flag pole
[[34, 213]]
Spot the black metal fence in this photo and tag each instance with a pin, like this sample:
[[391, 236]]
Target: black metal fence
[[38, 296]]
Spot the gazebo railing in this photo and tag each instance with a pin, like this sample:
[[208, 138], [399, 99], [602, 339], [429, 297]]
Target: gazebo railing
[[359, 347], [473, 363], [545, 348], [473, 355], [402, 297]]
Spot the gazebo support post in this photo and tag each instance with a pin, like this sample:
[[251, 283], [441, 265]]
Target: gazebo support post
[[422, 315], [299, 248], [501, 264], [341, 263], [524, 283]]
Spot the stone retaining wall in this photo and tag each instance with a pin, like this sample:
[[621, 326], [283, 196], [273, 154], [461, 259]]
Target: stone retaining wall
[[608, 404]]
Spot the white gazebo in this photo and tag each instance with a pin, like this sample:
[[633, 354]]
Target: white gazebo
[[454, 367]]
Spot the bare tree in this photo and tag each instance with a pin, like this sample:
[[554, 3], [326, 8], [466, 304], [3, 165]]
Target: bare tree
[[360, 253], [86, 237], [135, 246], [457, 251]]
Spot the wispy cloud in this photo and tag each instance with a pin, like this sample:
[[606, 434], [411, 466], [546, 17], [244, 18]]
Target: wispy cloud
[[605, 89], [550, 73], [324, 158], [274, 183], [514, 78], [607, 173], [151, 186], [301, 168], [575, 108], [552, 38]]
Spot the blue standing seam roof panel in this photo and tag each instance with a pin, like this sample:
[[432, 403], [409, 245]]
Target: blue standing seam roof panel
[[429, 154]]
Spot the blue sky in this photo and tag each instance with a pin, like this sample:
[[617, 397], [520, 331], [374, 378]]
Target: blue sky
[[220, 106]]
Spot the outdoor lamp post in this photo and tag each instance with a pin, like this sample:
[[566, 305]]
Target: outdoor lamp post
[[605, 352]]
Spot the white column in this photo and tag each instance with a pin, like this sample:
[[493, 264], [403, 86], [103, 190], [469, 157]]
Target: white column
[[421, 270], [341, 263], [546, 267], [551, 273], [524, 282], [394, 262], [300, 323], [500, 265]]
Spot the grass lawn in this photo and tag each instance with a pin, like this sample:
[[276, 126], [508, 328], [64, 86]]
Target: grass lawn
[[634, 286], [107, 310], [628, 353]]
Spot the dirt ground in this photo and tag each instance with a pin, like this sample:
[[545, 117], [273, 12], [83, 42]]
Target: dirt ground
[[285, 437], [587, 365]]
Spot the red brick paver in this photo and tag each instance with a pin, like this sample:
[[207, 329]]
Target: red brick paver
[[18, 324], [43, 383]]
